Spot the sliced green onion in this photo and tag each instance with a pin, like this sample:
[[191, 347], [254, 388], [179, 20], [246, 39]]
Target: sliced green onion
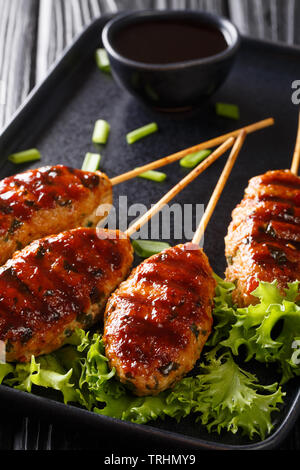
[[147, 248], [153, 176], [193, 159], [26, 156], [102, 60], [141, 132], [101, 132], [91, 162], [228, 110]]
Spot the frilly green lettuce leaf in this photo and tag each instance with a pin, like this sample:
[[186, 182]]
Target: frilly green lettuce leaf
[[224, 311], [130, 408], [269, 329], [232, 398], [176, 403], [5, 370], [44, 372], [76, 370]]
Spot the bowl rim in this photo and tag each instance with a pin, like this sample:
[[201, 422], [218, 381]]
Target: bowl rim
[[222, 23]]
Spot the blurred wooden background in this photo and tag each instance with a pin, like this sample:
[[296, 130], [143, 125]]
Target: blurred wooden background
[[33, 33]]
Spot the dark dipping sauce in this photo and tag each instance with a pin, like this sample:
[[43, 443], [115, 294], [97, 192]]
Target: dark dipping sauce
[[169, 41]]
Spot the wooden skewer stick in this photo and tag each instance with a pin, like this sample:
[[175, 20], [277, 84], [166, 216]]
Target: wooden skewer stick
[[183, 153], [219, 188], [296, 156], [180, 186]]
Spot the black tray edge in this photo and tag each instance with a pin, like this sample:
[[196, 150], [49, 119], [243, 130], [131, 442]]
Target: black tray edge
[[61, 412]]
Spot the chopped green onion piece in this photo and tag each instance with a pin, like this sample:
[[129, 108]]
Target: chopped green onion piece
[[193, 159], [102, 60], [141, 132], [101, 132], [228, 110], [91, 162], [147, 248], [153, 176], [26, 156]]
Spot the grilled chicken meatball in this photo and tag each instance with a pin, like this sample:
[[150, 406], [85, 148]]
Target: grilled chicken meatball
[[46, 201], [157, 322], [57, 284], [263, 238]]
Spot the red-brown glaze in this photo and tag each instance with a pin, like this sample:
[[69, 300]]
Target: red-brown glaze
[[158, 320], [263, 238], [55, 285], [47, 200]]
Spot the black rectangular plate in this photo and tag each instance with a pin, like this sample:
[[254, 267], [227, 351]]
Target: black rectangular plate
[[58, 118]]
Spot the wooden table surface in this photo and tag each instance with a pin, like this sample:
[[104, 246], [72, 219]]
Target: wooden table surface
[[33, 34]]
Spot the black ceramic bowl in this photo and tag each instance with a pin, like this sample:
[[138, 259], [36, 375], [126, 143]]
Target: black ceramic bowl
[[171, 86]]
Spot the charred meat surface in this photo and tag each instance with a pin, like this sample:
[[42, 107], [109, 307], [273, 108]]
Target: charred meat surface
[[263, 238], [157, 322], [57, 284], [47, 201]]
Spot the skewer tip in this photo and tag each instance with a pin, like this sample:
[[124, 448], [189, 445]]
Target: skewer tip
[[296, 156]]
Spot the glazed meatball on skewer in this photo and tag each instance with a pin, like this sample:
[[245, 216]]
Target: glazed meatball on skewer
[[58, 284], [46, 201], [263, 239], [62, 282], [157, 322]]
